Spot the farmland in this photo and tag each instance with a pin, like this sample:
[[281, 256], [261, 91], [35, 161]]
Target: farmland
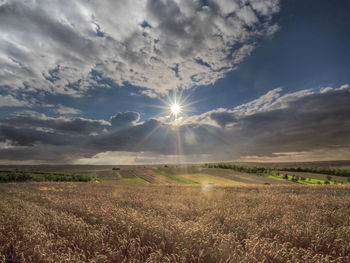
[[98, 222], [194, 213]]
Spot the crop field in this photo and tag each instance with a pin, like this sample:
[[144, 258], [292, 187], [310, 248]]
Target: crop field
[[188, 175], [207, 179], [98, 222], [243, 178]]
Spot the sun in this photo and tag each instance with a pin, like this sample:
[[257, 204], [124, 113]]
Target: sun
[[175, 109]]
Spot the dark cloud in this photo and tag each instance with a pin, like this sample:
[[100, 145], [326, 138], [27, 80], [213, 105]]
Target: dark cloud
[[71, 126], [223, 118], [29, 137], [124, 119], [310, 122]]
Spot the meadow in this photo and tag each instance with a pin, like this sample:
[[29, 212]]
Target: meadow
[[143, 222]]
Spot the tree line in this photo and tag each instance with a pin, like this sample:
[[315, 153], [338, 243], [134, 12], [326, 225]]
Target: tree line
[[262, 170], [21, 176]]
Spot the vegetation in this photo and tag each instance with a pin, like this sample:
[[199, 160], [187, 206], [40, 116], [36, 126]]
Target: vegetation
[[76, 222], [299, 179], [172, 174], [272, 173], [241, 168], [319, 170], [23, 176], [133, 180]]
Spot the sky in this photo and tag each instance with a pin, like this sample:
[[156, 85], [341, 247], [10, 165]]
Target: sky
[[93, 82]]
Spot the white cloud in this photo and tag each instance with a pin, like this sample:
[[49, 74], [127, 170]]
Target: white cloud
[[159, 45], [64, 110], [149, 93], [272, 100], [343, 87], [325, 90], [10, 101]]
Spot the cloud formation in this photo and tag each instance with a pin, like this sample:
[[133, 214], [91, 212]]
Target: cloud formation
[[78, 126], [10, 101], [273, 125], [123, 120], [66, 47]]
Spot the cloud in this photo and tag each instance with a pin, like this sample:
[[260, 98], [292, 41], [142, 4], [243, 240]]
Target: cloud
[[223, 117], [307, 123], [66, 47], [78, 126], [325, 90], [272, 100], [10, 101], [123, 120], [28, 137], [343, 87], [64, 110]]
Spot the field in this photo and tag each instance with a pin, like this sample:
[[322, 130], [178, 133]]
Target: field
[[98, 222], [317, 176], [173, 213]]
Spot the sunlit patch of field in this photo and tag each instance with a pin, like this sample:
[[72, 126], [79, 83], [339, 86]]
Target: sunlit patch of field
[[241, 177], [206, 179], [45, 188], [153, 177], [155, 223]]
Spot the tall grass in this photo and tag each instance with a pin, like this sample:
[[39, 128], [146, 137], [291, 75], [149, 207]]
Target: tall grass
[[91, 222]]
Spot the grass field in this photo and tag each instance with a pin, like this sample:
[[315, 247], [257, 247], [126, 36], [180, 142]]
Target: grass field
[[98, 222]]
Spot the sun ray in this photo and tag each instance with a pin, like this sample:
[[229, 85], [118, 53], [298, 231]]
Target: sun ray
[[145, 138]]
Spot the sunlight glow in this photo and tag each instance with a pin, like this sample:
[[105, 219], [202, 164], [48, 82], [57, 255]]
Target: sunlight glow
[[175, 109]]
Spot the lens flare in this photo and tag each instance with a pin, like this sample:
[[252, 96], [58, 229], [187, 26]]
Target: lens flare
[[175, 109]]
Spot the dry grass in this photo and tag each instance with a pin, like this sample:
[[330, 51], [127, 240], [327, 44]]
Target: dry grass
[[87, 222]]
